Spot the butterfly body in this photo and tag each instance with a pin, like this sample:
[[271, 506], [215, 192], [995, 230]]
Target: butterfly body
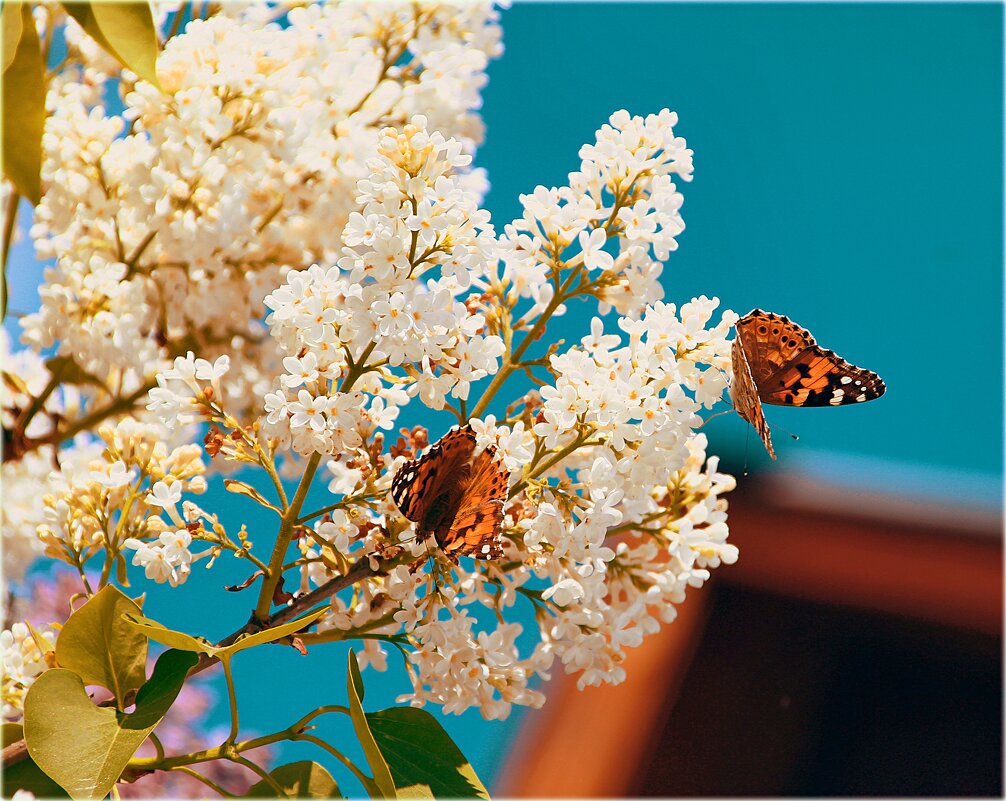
[[777, 362], [455, 495]]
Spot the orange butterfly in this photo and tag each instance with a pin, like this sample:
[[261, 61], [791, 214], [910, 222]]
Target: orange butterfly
[[456, 496], [775, 361]]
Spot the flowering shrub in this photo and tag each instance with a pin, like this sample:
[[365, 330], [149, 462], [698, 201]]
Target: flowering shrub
[[257, 266]]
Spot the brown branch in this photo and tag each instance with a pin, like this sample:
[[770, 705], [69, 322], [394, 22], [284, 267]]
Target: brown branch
[[118, 406]]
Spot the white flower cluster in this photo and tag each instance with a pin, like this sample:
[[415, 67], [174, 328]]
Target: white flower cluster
[[637, 392], [170, 223], [623, 189], [170, 560], [392, 300], [605, 546], [22, 661], [459, 667], [624, 513], [180, 398], [119, 499], [610, 581]]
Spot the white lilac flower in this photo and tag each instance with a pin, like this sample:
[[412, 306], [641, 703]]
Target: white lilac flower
[[339, 531], [22, 661], [164, 495]]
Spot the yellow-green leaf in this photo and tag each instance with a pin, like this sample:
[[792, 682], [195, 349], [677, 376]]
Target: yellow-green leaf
[[124, 30], [102, 648], [10, 17], [186, 642], [153, 630], [23, 104], [240, 488], [298, 780], [424, 760], [84, 748], [273, 634], [382, 775]]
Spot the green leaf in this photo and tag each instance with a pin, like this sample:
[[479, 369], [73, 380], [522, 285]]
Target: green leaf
[[354, 674], [273, 634], [382, 775], [124, 30], [102, 648], [12, 30], [153, 630], [240, 488], [70, 372], [298, 780], [185, 642], [424, 760], [84, 748], [24, 103], [25, 774]]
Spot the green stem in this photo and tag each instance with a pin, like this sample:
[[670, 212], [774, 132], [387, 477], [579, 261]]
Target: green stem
[[270, 468], [286, 527], [208, 782], [210, 754], [348, 501], [579, 442], [134, 259], [232, 698], [513, 360], [261, 773], [319, 512], [292, 512], [365, 780], [301, 724]]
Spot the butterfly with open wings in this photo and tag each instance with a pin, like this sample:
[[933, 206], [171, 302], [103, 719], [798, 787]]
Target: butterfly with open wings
[[777, 362], [455, 495]]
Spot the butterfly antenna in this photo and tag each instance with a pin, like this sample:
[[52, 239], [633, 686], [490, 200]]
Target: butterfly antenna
[[717, 414], [790, 433]]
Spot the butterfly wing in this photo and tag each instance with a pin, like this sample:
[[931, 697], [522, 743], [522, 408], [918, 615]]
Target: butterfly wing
[[770, 341], [745, 394], [819, 377], [477, 527], [420, 481]]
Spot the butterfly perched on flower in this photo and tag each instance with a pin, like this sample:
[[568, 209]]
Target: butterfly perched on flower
[[775, 361], [456, 495]]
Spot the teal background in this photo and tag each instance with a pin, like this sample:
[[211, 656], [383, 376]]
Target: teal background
[[848, 174]]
